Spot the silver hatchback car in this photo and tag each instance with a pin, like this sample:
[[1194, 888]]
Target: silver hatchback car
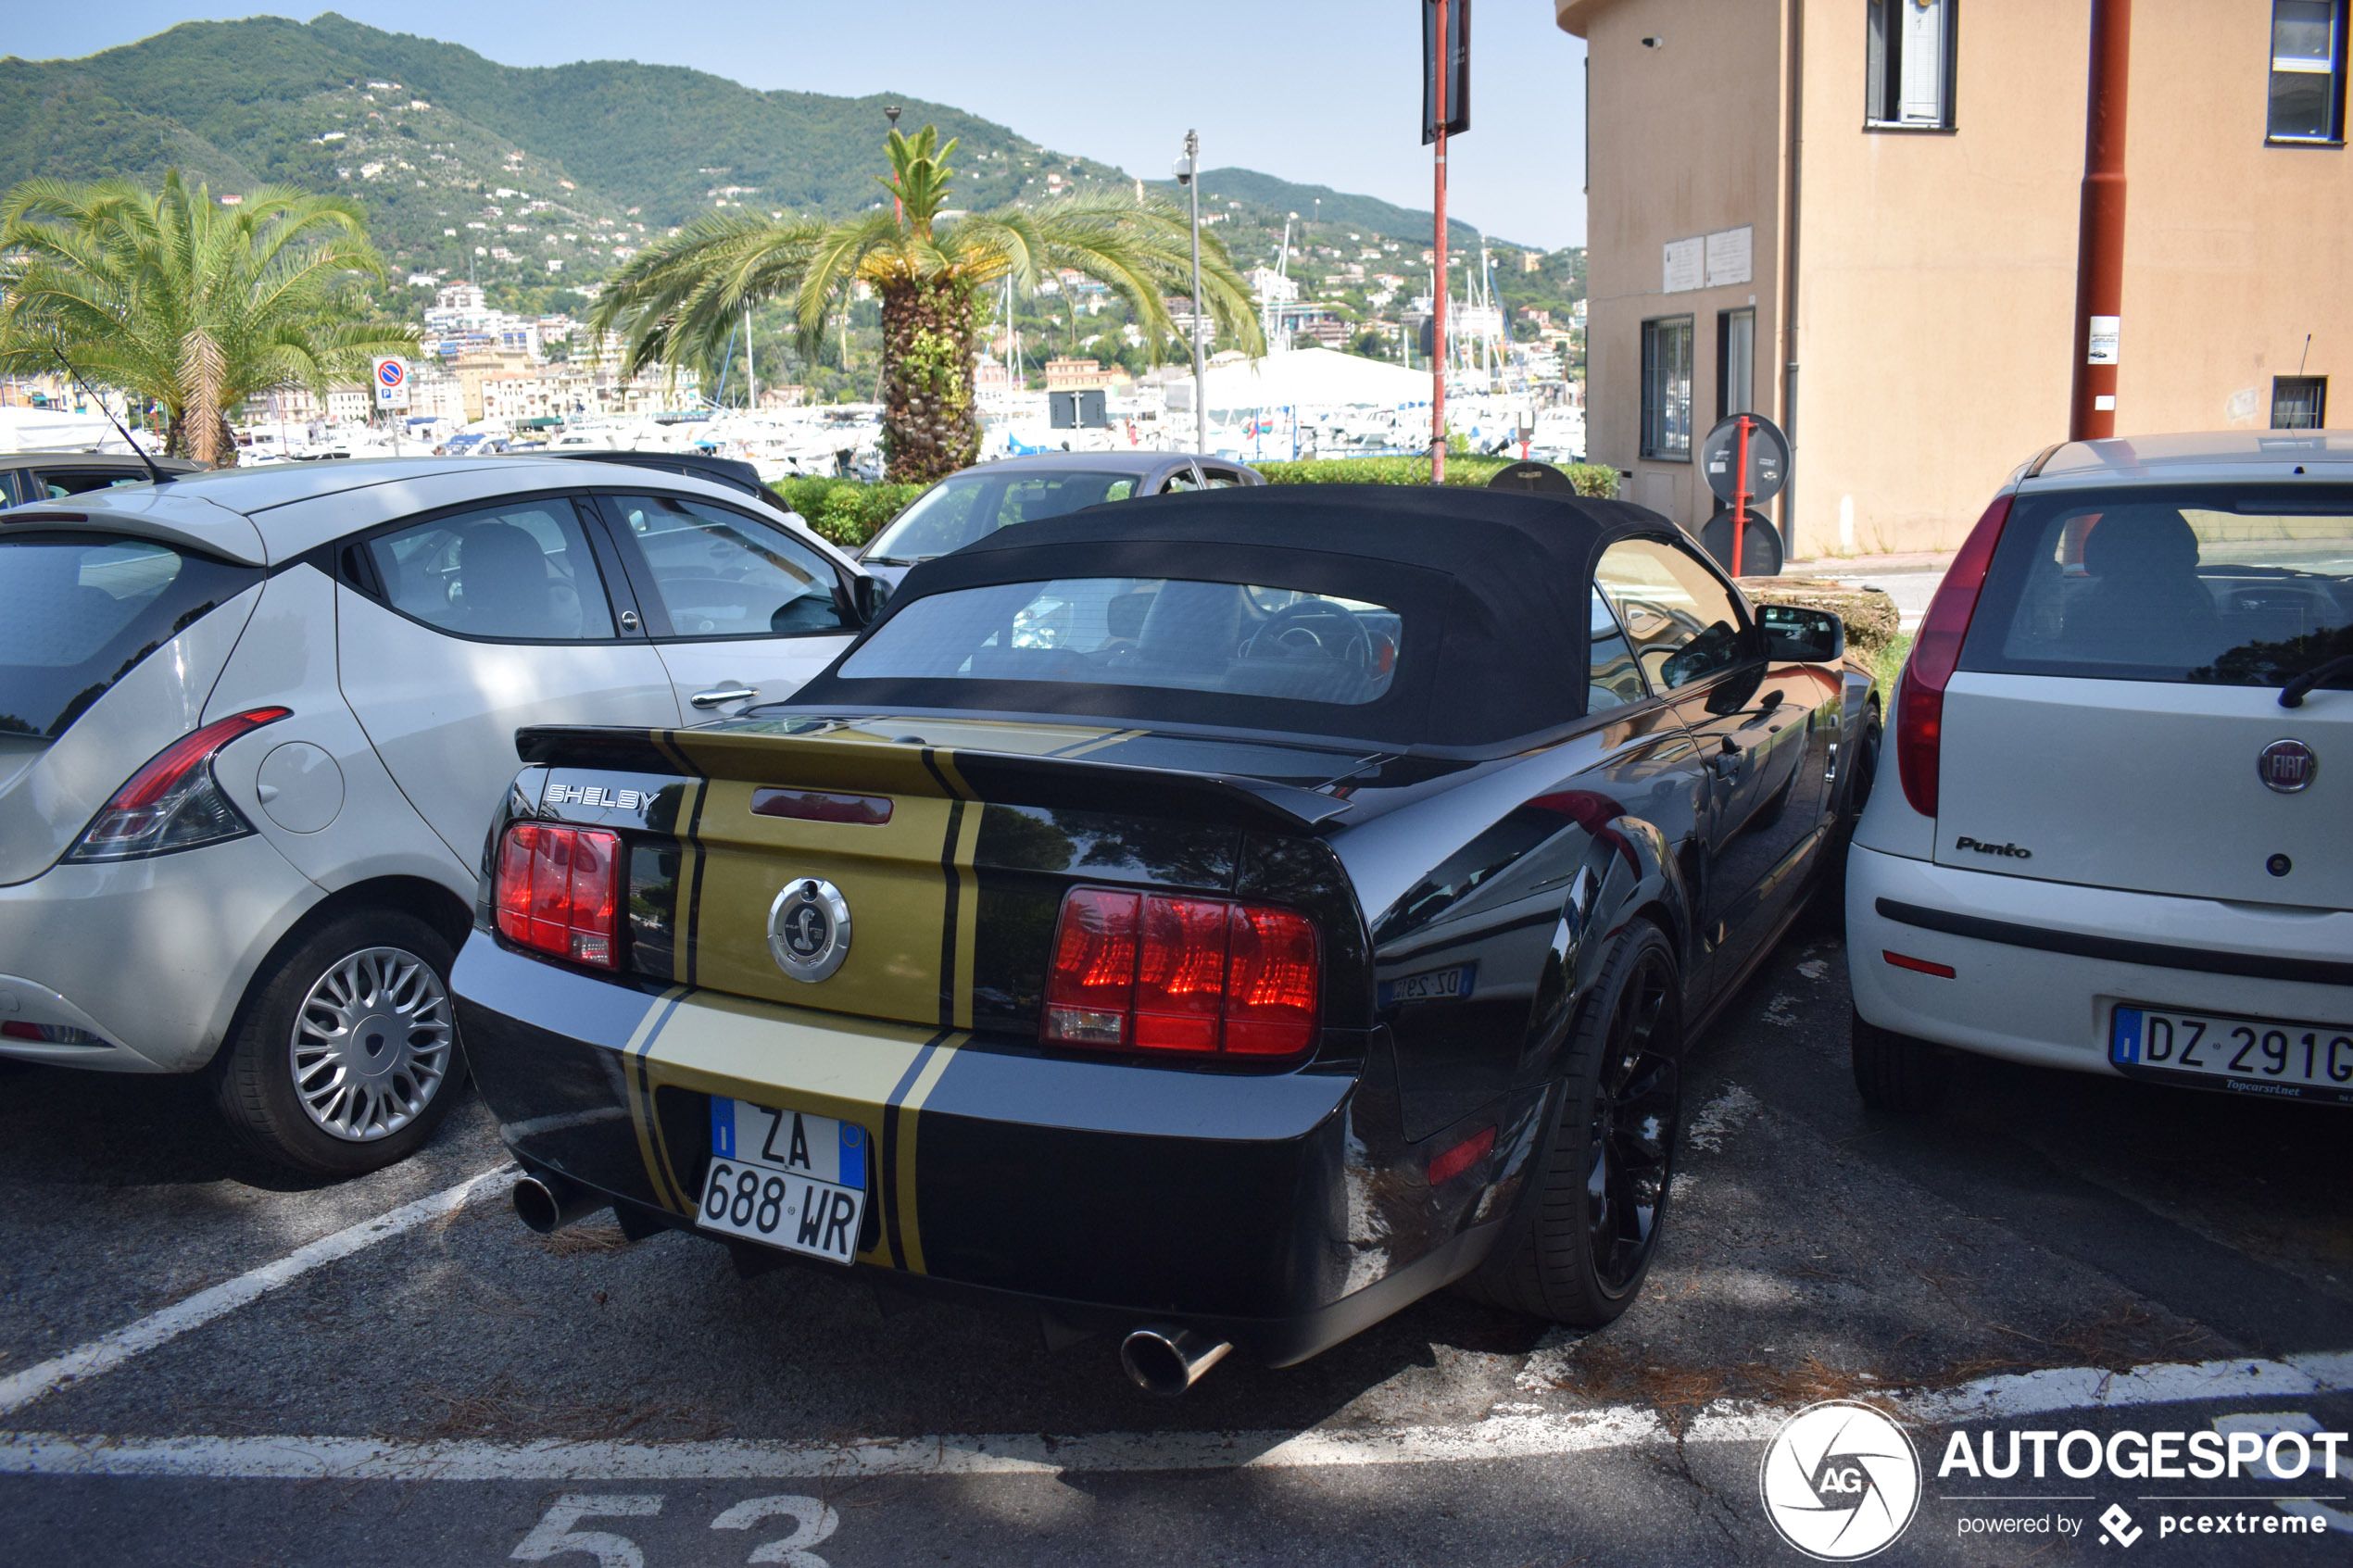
[[254, 725]]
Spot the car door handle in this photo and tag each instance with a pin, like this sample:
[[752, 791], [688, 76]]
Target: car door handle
[[723, 694]]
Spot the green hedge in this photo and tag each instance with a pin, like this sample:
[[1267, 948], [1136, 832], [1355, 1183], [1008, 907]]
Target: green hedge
[[850, 512], [847, 511], [1590, 479]]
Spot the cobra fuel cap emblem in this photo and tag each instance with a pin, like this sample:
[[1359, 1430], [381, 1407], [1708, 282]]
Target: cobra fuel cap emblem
[[809, 929]]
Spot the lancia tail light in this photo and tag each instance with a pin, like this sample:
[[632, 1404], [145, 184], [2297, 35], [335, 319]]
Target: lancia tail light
[[174, 802], [558, 892], [1148, 971], [1919, 692]]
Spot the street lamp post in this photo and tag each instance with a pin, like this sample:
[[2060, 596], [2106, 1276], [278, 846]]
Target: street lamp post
[[1188, 176]]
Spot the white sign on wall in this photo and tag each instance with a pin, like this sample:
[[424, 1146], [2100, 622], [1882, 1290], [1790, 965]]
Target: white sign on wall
[[2099, 344], [1728, 255], [1685, 265]]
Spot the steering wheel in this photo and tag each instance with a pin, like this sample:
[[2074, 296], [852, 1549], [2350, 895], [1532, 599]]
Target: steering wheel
[[1287, 634]]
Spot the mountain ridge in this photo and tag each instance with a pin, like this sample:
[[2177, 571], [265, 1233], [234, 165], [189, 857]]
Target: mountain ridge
[[448, 149]]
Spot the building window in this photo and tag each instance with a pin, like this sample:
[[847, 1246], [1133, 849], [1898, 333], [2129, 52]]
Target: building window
[[1735, 363], [1667, 389], [2308, 70], [2300, 402], [1910, 65]]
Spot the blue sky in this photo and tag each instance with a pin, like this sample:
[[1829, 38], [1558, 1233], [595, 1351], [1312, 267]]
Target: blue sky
[[1319, 91]]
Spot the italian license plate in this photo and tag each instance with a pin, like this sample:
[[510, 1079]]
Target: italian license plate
[[785, 1178], [1432, 985], [2264, 1056]]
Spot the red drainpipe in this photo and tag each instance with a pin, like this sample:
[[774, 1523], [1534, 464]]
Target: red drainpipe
[[2099, 258]]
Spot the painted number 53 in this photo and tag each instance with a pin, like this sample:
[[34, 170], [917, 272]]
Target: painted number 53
[[554, 1536]]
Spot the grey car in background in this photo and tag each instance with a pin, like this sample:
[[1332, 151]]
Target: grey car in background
[[974, 503], [254, 724]]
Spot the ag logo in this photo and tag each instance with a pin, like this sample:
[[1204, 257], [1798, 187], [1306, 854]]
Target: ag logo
[[1840, 1481], [809, 929]]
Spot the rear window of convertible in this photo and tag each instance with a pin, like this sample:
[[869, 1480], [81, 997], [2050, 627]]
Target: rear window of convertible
[[1230, 638]]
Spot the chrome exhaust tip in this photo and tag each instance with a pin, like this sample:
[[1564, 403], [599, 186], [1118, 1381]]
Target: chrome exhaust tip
[[1163, 1359], [548, 1204]]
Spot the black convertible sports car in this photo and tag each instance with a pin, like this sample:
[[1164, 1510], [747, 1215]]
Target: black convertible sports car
[[1226, 933]]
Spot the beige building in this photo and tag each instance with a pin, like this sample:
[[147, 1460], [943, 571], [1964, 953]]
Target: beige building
[[1861, 219]]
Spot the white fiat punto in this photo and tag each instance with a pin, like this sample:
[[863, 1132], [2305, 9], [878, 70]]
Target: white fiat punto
[[2124, 837], [254, 724]]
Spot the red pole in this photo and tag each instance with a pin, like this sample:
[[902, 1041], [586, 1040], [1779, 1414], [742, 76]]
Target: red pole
[[1740, 494], [2099, 254], [1444, 57]]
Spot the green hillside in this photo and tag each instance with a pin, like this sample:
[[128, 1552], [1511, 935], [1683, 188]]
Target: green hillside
[[1333, 210], [528, 165]]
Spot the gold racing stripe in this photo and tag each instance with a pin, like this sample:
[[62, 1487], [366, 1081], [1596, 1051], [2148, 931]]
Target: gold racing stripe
[[864, 1056], [637, 1089], [1083, 747], [869, 1071], [905, 1226], [686, 897]]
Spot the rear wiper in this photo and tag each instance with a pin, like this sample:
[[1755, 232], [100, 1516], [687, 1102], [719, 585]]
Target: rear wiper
[[2291, 695]]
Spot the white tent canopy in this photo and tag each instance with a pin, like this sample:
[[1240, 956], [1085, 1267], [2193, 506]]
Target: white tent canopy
[[1306, 378], [46, 430]]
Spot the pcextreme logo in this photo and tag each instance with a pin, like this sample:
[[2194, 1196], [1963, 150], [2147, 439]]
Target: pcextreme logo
[[1840, 1480]]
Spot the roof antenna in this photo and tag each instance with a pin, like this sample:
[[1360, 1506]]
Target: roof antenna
[[153, 473]]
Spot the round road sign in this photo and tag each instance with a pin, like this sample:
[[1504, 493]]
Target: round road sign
[[1541, 478], [1768, 457], [1760, 544]]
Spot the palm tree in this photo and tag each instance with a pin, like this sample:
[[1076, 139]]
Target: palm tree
[[171, 297], [677, 302]]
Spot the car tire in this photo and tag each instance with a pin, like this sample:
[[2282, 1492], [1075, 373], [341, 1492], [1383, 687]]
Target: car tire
[[346, 1057], [1893, 1071], [1580, 1242]]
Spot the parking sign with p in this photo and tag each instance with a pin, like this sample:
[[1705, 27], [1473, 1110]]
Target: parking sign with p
[[392, 384]]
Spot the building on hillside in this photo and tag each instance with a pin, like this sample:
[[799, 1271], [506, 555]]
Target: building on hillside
[[1270, 287], [1862, 221], [1082, 375]]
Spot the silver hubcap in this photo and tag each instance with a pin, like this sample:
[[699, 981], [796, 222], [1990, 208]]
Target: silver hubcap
[[371, 1044]]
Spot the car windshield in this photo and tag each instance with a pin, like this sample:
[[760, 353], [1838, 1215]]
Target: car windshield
[[1238, 639], [80, 611], [2245, 585], [968, 507]]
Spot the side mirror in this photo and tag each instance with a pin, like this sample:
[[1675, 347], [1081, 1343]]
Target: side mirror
[[1794, 634], [869, 595]]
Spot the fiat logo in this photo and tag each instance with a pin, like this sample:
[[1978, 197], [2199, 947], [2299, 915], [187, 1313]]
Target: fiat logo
[[2288, 766], [809, 929]]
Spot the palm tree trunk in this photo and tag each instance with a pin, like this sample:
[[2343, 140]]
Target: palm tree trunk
[[931, 426]]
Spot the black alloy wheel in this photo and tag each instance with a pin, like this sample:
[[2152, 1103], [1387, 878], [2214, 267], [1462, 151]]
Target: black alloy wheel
[[1630, 1139], [1581, 1240]]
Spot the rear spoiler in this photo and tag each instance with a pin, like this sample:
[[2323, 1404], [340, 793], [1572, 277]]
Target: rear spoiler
[[837, 761]]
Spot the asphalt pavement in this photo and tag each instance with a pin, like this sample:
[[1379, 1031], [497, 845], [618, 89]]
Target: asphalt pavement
[[441, 1387]]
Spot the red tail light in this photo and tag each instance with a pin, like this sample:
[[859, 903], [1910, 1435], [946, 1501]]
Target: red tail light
[[559, 891], [1919, 695], [1146, 972], [174, 802]]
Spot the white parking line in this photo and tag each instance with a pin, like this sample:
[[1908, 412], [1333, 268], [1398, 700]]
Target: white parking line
[[1499, 1436], [111, 1351]]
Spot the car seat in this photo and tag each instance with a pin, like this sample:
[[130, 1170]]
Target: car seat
[[507, 593], [2146, 604]]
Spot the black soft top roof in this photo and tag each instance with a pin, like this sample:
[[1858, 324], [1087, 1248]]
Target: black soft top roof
[[1492, 585]]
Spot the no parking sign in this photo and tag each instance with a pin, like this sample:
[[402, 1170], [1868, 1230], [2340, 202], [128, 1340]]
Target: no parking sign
[[392, 384]]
